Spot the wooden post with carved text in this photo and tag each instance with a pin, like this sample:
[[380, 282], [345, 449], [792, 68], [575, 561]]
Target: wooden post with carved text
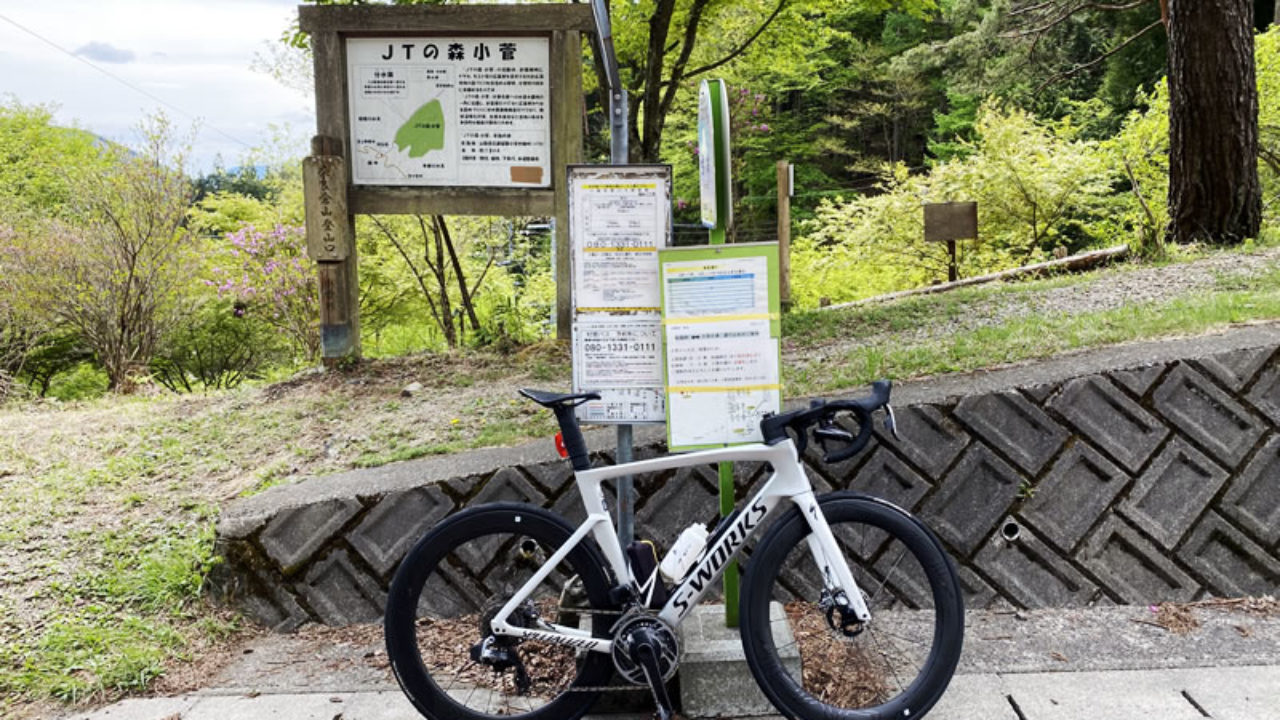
[[330, 233], [442, 152]]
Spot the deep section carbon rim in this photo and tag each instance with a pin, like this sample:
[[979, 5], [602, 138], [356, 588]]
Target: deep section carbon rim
[[450, 586], [816, 663]]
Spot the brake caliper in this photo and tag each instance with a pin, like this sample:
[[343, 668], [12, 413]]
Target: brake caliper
[[833, 604]]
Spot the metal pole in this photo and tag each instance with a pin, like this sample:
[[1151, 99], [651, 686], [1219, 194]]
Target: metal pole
[[617, 94], [618, 152], [626, 489], [784, 232]]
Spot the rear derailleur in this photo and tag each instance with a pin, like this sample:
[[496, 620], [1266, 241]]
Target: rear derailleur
[[499, 653]]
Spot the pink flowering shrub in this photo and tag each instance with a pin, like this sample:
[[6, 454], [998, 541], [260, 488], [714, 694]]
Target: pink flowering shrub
[[270, 278]]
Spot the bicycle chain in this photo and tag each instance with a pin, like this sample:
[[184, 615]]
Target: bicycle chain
[[601, 688]]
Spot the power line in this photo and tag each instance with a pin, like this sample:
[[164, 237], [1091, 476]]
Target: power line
[[122, 81]]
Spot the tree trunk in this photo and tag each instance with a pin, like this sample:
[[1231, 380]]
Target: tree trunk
[[458, 275], [1214, 193]]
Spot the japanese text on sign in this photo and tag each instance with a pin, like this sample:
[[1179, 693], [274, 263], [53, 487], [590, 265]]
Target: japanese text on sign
[[326, 207], [619, 217], [720, 345], [450, 111]]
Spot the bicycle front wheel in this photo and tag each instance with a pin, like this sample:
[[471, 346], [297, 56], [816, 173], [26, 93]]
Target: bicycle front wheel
[[896, 665], [450, 586]]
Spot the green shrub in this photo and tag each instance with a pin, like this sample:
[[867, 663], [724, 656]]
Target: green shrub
[[1041, 190], [83, 381], [220, 346]]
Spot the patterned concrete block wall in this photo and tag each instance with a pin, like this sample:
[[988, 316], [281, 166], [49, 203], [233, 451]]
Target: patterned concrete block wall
[[1145, 483]]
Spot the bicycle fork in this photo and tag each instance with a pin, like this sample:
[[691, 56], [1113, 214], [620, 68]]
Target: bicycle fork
[[840, 591]]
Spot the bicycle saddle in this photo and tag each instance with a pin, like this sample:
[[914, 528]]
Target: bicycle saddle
[[551, 399]]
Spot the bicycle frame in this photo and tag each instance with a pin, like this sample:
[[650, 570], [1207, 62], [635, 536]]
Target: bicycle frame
[[788, 482]]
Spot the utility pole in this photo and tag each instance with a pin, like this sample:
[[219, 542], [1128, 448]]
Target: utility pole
[[618, 153]]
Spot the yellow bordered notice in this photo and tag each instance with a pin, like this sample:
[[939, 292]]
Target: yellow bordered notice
[[721, 350]]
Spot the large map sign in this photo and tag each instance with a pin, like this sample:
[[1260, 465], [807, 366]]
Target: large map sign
[[450, 111]]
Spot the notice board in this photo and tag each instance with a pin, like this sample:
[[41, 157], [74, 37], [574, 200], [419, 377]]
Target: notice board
[[619, 219], [721, 349]]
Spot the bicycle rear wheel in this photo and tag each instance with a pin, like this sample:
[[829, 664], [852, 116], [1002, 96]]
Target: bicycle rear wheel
[[896, 665], [449, 587]]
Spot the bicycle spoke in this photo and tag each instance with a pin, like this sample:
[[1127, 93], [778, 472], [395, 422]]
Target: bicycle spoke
[[884, 582], [845, 665]]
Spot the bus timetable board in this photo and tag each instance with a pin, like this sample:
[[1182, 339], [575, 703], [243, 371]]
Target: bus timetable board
[[720, 315], [619, 218]]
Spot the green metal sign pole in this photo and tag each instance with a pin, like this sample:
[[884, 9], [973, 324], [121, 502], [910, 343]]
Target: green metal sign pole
[[717, 215]]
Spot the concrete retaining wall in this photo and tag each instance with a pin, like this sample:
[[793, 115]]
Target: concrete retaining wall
[[1145, 473]]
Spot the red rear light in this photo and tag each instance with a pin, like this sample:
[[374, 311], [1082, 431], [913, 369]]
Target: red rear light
[[560, 446]]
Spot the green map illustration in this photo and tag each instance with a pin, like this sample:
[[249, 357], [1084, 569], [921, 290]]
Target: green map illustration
[[424, 131]]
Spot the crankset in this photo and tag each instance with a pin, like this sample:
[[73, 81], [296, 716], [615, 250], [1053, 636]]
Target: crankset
[[646, 651]]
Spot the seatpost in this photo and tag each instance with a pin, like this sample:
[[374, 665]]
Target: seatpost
[[574, 443]]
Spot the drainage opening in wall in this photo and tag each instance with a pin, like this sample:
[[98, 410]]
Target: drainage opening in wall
[[1010, 531]]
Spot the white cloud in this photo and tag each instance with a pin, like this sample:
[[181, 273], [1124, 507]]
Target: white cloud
[[105, 53]]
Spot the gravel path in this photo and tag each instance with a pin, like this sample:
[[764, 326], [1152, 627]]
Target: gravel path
[[1100, 290]]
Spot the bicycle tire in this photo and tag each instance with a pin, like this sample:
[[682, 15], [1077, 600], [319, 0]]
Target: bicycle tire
[[869, 676], [461, 570]]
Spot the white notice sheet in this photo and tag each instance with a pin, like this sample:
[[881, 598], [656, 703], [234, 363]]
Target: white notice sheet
[[617, 226], [720, 347]]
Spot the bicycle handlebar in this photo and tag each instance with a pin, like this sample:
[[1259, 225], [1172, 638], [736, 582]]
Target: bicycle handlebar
[[823, 414]]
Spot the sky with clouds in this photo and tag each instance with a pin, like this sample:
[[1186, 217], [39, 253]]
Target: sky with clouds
[[195, 56]]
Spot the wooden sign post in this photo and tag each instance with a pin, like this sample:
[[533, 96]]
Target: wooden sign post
[[950, 222], [415, 95]]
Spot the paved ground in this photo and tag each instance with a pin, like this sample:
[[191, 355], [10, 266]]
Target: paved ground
[[1106, 663]]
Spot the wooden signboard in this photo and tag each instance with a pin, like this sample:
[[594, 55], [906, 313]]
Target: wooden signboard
[[950, 221], [443, 110], [324, 182]]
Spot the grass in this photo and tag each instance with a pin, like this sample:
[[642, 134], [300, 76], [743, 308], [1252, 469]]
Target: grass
[[1234, 301], [114, 625], [107, 507]]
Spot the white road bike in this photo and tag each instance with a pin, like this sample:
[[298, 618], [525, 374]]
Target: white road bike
[[850, 608]]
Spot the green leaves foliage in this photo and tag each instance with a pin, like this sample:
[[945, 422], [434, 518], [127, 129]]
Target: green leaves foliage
[[1040, 190], [39, 161]]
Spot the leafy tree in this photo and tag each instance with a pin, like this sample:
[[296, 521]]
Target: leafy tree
[[1268, 64], [219, 346], [1214, 192], [268, 195], [18, 334], [115, 271], [953, 127], [39, 161], [246, 180], [1141, 149], [439, 272], [1041, 189]]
